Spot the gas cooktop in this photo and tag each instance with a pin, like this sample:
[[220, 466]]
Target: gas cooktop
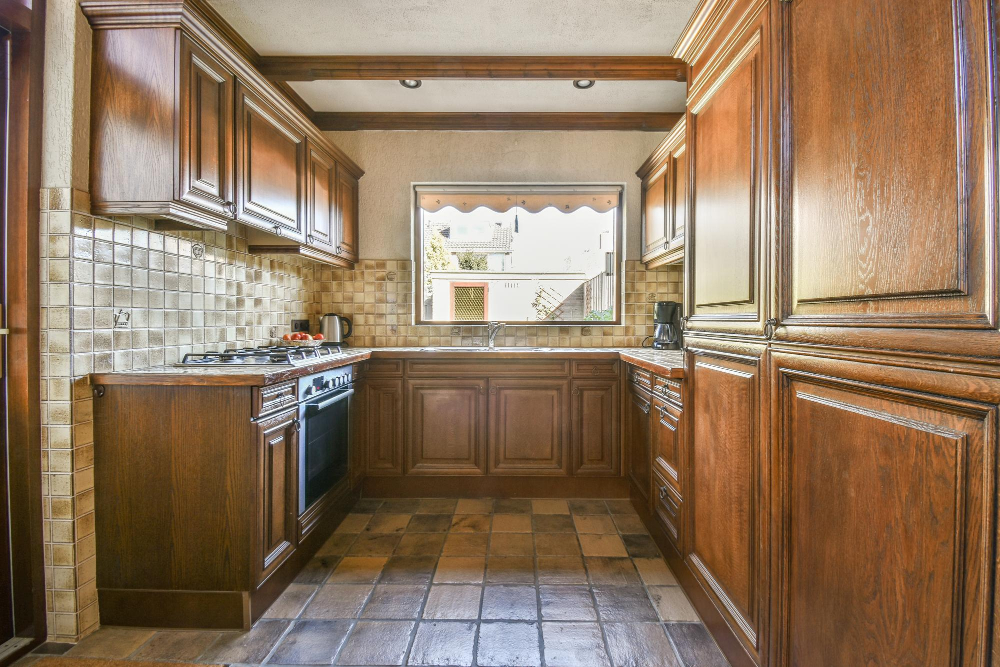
[[262, 356]]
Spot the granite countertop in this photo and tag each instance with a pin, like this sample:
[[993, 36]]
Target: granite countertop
[[665, 362]]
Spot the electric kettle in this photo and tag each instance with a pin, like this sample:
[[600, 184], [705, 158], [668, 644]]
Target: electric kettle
[[332, 326]]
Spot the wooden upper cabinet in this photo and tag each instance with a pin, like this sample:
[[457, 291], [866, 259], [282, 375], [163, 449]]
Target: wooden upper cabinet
[[347, 219], [446, 426], [664, 199], [271, 154], [529, 430], [728, 230], [891, 172], [278, 493], [321, 200]]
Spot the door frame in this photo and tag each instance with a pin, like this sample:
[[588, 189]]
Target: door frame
[[25, 20]]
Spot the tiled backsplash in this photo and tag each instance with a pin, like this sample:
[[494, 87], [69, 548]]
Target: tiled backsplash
[[195, 291]]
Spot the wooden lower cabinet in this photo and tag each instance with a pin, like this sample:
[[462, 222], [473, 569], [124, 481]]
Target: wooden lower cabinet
[[638, 437], [667, 441], [277, 455], [446, 426], [529, 429], [384, 425], [595, 427]]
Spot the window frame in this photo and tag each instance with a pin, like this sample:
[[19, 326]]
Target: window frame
[[417, 251]]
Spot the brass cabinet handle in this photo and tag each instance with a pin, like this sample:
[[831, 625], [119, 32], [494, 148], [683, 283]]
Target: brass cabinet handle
[[663, 492], [770, 326]]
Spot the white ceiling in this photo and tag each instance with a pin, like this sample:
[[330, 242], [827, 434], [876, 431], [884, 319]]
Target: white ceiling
[[469, 27]]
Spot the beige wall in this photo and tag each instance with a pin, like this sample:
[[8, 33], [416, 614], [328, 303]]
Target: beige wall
[[394, 160]]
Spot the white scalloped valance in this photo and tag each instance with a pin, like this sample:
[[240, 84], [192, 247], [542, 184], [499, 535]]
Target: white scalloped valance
[[533, 200]]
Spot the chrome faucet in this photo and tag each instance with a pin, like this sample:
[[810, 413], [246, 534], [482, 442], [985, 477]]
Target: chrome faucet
[[492, 330]]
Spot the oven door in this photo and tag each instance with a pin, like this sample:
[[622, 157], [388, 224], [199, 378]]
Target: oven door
[[323, 451]]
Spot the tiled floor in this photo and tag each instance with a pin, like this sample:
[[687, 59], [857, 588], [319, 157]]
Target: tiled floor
[[575, 583]]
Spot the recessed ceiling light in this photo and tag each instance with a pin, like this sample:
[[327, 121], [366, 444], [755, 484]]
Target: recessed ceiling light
[[410, 83], [584, 84]]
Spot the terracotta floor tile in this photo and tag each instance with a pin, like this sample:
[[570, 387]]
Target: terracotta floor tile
[[511, 506], [655, 572], [470, 523], [437, 506], [595, 523], [311, 643], [508, 645], [574, 645], [376, 643], [641, 546], [443, 643], [354, 523], [317, 570], [408, 570], [552, 523], [399, 506], [291, 602], [612, 572], [429, 523], [460, 570], [465, 544], [334, 601], [388, 523], [695, 646], [395, 602], [510, 570], [602, 545], [358, 570], [112, 643], [623, 603], [561, 570], [246, 647], [620, 506], [450, 602], [367, 505], [629, 524], [474, 506], [547, 506], [588, 507], [510, 603], [511, 523], [640, 645], [557, 544], [374, 544], [177, 646], [337, 545], [672, 604], [512, 544], [420, 544], [567, 603]]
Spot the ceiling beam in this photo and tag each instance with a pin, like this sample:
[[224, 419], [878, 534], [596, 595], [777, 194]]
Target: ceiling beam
[[646, 122], [620, 68]]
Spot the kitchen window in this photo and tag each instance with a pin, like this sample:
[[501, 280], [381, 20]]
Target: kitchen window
[[520, 254]]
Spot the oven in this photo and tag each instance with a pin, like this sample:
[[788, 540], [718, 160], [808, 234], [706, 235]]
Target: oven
[[324, 440]]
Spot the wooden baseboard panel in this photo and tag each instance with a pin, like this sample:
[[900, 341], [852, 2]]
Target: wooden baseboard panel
[[495, 487], [728, 643], [203, 610]]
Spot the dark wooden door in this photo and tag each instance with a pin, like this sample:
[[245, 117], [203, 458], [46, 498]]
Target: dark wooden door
[[891, 220], [347, 220], [321, 200], [529, 426], [384, 400], [638, 437], [446, 420], [270, 162], [887, 477], [278, 490], [727, 476], [727, 234], [667, 439], [595, 427], [205, 146]]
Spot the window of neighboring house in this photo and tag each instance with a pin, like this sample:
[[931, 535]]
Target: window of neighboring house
[[522, 254]]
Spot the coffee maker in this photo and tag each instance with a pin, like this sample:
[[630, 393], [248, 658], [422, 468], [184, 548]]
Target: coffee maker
[[667, 325]]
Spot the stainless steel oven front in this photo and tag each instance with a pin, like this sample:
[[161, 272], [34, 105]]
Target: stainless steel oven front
[[324, 440]]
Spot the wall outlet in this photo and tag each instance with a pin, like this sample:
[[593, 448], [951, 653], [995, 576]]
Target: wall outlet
[[300, 325]]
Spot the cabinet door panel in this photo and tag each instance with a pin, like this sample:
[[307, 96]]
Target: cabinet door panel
[[278, 455], [271, 159], [667, 440], [728, 512], [205, 145], [321, 203], [890, 174], [447, 426], [347, 221], [678, 191], [384, 401], [887, 515], [654, 215], [638, 438], [595, 427], [529, 429]]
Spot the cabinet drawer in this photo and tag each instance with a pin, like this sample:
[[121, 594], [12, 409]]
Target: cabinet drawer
[[669, 507], [385, 368], [274, 397], [668, 389], [604, 368], [640, 378]]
